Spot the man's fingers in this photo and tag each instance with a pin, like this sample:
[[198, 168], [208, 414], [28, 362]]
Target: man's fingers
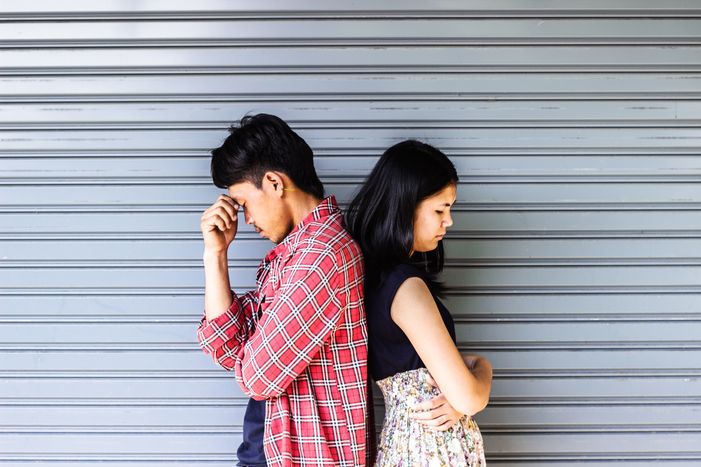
[[216, 221], [227, 199], [220, 213], [226, 213], [224, 202], [228, 205], [219, 222], [212, 222]]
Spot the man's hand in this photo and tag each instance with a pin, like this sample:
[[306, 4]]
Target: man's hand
[[219, 224], [437, 412]]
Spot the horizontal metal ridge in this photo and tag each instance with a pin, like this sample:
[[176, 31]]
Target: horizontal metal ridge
[[583, 345], [587, 373], [574, 290], [120, 264], [100, 319], [97, 208], [495, 318], [451, 291], [500, 179], [613, 456], [366, 151], [580, 206], [113, 236], [583, 123], [573, 261], [99, 346], [584, 95], [347, 69], [367, 12], [79, 457], [550, 234], [123, 402], [600, 428], [465, 207], [252, 262], [242, 401], [648, 40], [238, 429], [227, 459], [595, 401], [512, 346], [499, 374], [122, 429], [116, 374], [101, 292], [473, 318], [193, 235]]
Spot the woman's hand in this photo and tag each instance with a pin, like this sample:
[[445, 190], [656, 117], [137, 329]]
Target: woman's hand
[[437, 412]]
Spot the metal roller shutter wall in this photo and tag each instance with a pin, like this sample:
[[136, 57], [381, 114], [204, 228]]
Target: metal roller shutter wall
[[573, 263]]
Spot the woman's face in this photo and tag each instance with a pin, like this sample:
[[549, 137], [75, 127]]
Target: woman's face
[[432, 219]]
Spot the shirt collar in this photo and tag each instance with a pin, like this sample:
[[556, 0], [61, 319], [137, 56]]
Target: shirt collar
[[326, 208]]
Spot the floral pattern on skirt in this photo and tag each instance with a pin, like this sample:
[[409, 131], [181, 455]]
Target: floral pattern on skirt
[[407, 443]]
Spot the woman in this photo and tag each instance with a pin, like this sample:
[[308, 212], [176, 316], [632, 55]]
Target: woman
[[399, 218]]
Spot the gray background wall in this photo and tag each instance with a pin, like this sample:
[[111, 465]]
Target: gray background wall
[[574, 259]]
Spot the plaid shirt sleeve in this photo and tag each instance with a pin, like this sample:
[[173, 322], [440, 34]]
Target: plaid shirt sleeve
[[223, 337], [298, 321]]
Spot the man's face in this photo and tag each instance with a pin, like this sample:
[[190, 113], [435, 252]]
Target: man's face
[[263, 208]]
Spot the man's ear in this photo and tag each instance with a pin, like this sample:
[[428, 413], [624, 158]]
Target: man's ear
[[274, 182]]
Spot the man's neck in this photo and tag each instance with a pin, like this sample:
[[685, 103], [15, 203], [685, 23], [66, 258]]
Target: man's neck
[[302, 204]]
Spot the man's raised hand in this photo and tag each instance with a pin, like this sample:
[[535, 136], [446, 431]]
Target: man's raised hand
[[219, 224]]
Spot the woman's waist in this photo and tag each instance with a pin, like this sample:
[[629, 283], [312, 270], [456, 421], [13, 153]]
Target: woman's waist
[[408, 387]]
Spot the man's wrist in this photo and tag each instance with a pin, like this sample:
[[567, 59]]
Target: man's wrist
[[214, 256]]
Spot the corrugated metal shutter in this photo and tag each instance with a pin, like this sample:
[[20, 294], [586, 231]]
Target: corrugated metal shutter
[[574, 259]]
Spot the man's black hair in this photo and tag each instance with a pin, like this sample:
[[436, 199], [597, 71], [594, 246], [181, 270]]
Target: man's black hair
[[262, 143]]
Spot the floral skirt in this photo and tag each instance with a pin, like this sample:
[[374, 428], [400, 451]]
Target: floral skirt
[[405, 442]]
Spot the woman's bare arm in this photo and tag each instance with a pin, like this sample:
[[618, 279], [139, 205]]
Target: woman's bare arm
[[415, 312]]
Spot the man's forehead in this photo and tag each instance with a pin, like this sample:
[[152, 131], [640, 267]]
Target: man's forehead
[[240, 190]]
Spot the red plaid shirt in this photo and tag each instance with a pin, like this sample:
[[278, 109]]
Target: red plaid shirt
[[299, 341]]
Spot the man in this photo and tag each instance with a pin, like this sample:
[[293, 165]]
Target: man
[[298, 342]]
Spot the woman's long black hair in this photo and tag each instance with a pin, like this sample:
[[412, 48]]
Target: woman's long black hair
[[381, 216]]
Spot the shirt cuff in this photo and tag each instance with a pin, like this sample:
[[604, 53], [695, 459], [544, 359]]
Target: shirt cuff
[[215, 332]]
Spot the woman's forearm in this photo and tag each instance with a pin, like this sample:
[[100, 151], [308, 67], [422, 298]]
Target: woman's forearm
[[481, 369]]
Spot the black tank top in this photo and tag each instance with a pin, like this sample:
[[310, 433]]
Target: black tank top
[[389, 350]]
